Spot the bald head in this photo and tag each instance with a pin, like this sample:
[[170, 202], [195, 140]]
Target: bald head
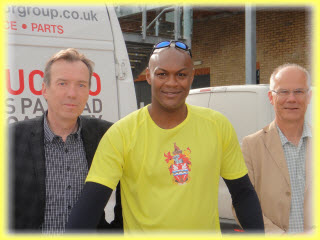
[[161, 56], [287, 68]]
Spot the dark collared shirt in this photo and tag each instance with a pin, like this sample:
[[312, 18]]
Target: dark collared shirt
[[66, 170]]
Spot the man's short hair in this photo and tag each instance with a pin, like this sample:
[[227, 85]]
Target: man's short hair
[[70, 55], [278, 69]]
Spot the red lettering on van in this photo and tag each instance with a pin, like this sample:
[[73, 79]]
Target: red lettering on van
[[12, 25], [34, 26], [54, 28], [32, 75], [31, 81], [98, 80], [60, 29], [47, 28], [40, 28], [21, 83]]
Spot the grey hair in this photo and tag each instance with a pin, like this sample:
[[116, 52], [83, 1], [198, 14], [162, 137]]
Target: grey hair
[[286, 65]]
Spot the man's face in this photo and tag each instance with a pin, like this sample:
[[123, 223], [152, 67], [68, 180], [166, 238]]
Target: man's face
[[290, 108], [68, 91], [170, 75]]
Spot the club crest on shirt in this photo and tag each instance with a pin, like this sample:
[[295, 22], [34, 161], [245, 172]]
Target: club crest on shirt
[[179, 164]]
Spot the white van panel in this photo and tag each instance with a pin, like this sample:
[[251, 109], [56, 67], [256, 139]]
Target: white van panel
[[22, 40], [240, 113], [86, 22], [29, 103], [112, 93], [246, 106], [126, 92], [197, 98]]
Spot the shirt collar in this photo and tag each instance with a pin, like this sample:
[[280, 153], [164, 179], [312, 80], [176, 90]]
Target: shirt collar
[[49, 135], [306, 132]]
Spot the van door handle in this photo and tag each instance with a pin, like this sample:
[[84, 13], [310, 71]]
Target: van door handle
[[121, 70]]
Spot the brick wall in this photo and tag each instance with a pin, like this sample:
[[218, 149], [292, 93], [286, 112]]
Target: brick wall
[[282, 36]]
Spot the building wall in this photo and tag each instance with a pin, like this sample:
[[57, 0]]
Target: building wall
[[282, 36], [219, 45]]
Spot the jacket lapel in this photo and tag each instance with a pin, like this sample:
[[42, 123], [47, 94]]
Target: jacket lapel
[[88, 142], [38, 155], [273, 144]]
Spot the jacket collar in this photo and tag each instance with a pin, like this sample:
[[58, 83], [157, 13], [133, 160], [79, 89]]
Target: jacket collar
[[89, 140], [274, 146]]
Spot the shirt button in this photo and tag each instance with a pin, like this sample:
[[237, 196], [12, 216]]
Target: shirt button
[[66, 150], [69, 207], [69, 187], [68, 169]]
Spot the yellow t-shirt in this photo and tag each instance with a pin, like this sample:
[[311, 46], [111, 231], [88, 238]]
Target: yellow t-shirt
[[169, 177]]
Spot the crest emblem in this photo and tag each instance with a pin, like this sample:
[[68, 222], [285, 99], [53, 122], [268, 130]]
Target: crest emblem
[[179, 164]]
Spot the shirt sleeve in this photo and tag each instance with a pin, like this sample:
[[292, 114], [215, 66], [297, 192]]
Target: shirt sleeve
[[108, 162], [232, 163]]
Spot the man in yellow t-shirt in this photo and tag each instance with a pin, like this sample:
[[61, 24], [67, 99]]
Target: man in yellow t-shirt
[[168, 157]]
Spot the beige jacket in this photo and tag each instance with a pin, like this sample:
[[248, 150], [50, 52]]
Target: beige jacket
[[269, 175]]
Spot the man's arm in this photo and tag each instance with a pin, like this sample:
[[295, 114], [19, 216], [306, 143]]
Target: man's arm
[[269, 227], [246, 204], [86, 213], [249, 154]]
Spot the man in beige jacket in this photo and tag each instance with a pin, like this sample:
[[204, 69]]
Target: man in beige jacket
[[278, 157]]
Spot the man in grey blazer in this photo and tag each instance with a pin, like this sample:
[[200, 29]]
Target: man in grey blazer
[[278, 157], [49, 156]]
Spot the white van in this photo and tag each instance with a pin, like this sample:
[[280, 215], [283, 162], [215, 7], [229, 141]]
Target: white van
[[248, 109], [35, 33], [246, 106]]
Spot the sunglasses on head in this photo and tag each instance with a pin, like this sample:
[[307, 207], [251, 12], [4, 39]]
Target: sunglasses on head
[[177, 44]]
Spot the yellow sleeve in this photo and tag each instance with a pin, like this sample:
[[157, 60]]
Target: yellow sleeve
[[232, 163], [108, 162]]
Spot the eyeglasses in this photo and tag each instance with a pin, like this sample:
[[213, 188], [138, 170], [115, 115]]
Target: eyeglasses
[[177, 44], [296, 92]]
